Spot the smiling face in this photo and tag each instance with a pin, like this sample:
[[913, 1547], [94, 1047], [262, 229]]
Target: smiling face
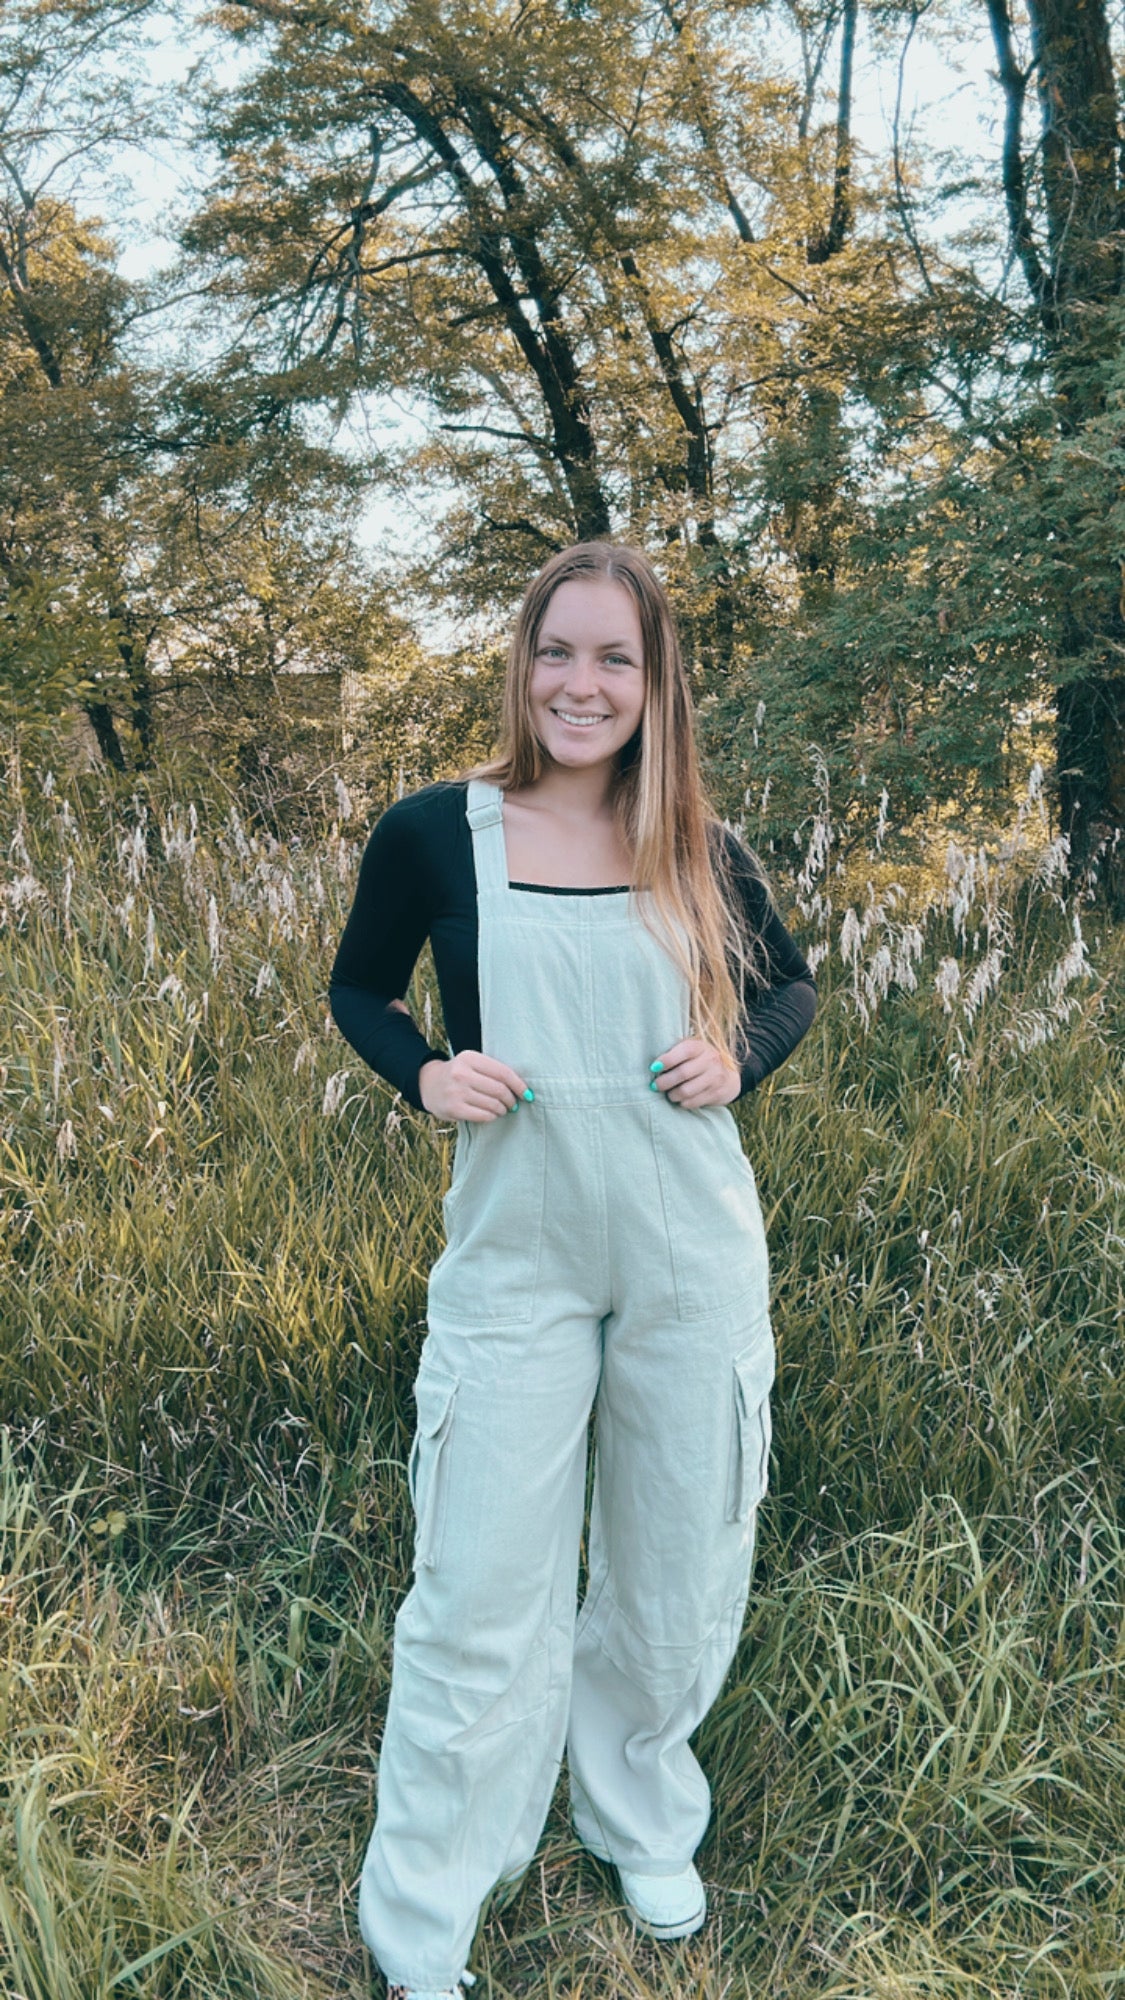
[[587, 687]]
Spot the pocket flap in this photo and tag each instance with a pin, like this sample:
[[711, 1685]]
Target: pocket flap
[[753, 1373], [753, 1379], [434, 1391]]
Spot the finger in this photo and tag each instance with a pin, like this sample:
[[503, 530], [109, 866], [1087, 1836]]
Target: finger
[[502, 1073], [711, 1081], [483, 1109], [484, 1092], [495, 1091], [682, 1072], [694, 1094], [482, 1096], [495, 1099], [691, 1045], [695, 1082]]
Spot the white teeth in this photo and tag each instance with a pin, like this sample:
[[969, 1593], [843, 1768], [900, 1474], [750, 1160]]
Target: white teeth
[[583, 721]]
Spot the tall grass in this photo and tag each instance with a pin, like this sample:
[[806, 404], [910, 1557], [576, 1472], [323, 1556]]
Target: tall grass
[[216, 1233]]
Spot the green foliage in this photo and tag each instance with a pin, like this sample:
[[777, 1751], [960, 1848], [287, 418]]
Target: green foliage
[[191, 530], [52, 654], [216, 1236], [418, 720], [625, 270]]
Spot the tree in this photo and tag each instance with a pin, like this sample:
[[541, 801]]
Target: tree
[[1065, 224], [158, 518], [634, 275], [509, 212], [69, 399]]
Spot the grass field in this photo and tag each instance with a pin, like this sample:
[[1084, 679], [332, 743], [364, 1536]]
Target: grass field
[[216, 1232]]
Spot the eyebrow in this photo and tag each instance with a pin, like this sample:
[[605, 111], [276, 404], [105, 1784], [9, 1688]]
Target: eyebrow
[[609, 645]]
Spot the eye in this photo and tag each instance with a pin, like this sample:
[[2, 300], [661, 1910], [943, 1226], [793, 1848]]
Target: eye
[[619, 659], [548, 652]]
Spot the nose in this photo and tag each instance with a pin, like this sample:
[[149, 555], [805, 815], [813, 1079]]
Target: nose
[[583, 676]]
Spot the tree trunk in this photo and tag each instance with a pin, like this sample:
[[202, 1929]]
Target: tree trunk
[[1074, 286], [1090, 748], [1079, 114], [105, 732], [829, 241], [813, 506], [134, 658], [20, 293]]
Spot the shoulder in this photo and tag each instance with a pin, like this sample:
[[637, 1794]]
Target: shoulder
[[416, 846], [430, 805], [420, 820]]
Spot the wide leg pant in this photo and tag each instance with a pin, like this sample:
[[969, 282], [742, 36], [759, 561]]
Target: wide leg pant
[[493, 1674], [605, 1250]]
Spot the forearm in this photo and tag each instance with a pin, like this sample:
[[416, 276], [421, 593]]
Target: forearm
[[382, 1031], [781, 1019]]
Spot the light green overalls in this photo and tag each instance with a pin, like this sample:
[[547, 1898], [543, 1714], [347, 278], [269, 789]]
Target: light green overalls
[[605, 1248]]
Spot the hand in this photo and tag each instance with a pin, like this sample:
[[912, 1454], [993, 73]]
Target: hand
[[696, 1073], [470, 1086]]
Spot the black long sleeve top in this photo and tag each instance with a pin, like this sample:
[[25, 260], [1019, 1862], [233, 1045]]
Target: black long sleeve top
[[417, 879]]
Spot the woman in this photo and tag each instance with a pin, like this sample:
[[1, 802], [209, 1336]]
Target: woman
[[612, 978]]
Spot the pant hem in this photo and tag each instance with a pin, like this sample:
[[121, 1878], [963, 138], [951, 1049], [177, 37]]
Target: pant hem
[[657, 1873], [422, 1984]]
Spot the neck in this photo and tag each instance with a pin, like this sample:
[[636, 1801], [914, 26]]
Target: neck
[[572, 794]]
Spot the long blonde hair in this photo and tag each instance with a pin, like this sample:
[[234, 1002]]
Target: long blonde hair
[[662, 810]]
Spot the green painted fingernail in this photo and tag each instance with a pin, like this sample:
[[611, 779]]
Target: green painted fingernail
[[656, 1065], [653, 1084], [530, 1096], [515, 1106]]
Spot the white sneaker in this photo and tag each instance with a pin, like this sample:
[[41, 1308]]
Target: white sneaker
[[665, 1906]]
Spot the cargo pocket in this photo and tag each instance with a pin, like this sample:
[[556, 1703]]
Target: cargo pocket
[[751, 1430], [435, 1394]]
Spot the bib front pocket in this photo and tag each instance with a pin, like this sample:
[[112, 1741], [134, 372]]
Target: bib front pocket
[[488, 1273], [716, 1236]]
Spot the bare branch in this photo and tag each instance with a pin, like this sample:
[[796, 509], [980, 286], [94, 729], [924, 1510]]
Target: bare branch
[[902, 199], [540, 446], [705, 123], [812, 63], [520, 526], [1014, 82]]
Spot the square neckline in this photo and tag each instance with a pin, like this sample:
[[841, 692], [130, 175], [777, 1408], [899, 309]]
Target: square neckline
[[552, 888]]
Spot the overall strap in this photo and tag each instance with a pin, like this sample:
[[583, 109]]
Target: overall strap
[[484, 811]]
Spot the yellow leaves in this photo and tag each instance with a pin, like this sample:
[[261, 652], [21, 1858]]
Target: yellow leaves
[[108, 1527]]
